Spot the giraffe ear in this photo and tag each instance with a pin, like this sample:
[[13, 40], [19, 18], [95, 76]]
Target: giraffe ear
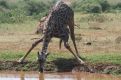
[[38, 54]]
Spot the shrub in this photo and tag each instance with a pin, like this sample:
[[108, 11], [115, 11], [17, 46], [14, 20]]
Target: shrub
[[118, 6], [8, 5], [77, 5], [13, 16], [19, 11], [4, 4], [86, 6], [105, 5], [37, 7], [34, 8], [91, 6]]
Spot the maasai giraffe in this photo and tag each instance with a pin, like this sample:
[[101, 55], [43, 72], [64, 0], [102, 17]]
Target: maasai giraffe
[[59, 23]]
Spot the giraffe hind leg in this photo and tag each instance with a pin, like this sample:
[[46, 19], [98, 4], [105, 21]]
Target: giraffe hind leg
[[68, 48], [71, 28], [65, 40]]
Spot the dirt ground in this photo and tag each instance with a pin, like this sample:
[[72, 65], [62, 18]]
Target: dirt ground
[[88, 41]]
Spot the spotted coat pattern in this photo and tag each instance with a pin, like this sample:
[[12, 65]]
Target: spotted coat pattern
[[59, 23], [56, 24]]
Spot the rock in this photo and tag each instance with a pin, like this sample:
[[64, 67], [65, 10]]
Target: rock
[[83, 68], [88, 43]]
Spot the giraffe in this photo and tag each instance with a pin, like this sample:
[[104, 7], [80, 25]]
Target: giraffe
[[59, 23]]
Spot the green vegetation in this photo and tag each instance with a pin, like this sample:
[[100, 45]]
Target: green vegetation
[[96, 6], [91, 6], [111, 58], [103, 63], [19, 11]]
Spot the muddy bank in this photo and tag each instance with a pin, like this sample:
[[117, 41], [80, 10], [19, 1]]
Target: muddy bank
[[62, 65]]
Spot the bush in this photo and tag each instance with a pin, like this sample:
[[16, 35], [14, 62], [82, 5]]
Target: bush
[[34, 8], [37, 7], [118, 6], [13, 16], [91, 6], [19, 11], [105, 5], [77, 5], [4, 4], [7, 5]]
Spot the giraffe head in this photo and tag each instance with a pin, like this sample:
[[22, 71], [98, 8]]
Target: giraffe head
[[41, 25]]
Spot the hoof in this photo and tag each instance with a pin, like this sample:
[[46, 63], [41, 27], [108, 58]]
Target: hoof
[[20, 60], [41, 70], [81, 62]]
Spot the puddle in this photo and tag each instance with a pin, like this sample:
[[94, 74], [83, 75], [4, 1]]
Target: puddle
[[55, 76]]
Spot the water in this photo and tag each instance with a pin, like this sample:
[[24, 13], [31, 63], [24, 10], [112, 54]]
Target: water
[[55, 76]]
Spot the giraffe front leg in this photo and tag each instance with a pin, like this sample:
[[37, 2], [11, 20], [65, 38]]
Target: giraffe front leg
[[43, 54], [41, 61]]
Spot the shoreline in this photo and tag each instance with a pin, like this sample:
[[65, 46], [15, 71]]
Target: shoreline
[[54, 66]]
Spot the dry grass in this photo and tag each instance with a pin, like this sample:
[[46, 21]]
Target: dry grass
[[18, 36]]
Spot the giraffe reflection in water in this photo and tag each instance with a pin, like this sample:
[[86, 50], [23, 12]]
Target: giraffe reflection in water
[[22, 76], [55, 76]]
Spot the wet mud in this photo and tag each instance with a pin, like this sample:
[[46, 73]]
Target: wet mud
[[61, 65]]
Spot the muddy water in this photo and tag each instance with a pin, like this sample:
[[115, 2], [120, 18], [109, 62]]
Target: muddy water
[[54, 76]]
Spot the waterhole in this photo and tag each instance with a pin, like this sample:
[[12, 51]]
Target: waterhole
[[8, 75]]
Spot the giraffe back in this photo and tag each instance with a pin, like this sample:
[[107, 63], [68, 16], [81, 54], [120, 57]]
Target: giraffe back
[[58, 19]]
